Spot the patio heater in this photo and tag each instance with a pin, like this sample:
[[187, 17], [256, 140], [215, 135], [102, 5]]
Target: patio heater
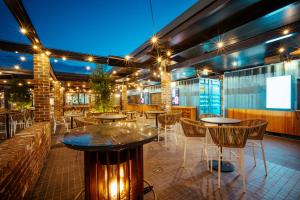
[[114, 175], [113, 159]]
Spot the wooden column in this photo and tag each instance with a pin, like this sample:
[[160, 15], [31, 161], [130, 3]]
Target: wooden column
[[41, 65]]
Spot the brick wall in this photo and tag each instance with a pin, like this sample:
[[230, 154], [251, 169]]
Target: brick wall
[[21, 160], [124, 97], [41, 87], [166, 98], [58, 93]]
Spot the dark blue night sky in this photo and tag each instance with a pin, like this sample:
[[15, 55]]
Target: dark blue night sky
[[101, 27]]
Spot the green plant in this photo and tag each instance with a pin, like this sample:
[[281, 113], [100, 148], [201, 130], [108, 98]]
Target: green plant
[[102, 85], [18, 94]]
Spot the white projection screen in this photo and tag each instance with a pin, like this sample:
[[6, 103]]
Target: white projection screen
[[279, 92]]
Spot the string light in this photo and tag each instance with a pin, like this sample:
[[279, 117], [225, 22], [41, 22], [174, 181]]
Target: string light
[[23, 58], [281, 50], [4, 81], [17, 67], [48, 53], [16, 52], [154, 73], [154, 39], [159, 59], [160, 68], [136, 73], [90, 59], [169, 53], [64, 58], [23, 30], [234, 63], [127, 57], [148, 80], [205, 71], [286, 31], [28, 82], [55, 60], [36, 40], [35, 47], [114, 72], [88, 68], [20, 84], [220, 44], [1, 73]]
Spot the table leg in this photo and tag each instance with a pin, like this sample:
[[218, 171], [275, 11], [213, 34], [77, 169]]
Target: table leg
[[225, 165], [71, 122], [156, 121], [7, 125]]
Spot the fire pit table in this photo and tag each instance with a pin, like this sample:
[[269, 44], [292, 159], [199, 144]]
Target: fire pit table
[[113, 158]]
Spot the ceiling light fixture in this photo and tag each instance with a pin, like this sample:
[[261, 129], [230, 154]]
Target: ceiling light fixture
[[23, 58], [279, 38]]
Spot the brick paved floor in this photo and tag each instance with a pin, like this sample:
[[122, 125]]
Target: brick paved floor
[[62, 176]]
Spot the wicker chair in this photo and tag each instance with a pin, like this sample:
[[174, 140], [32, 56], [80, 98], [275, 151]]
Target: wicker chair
[[166, 122], [80, 122], [258, 129], [2, 124], [17, 120], [192, 129], [234, 137]]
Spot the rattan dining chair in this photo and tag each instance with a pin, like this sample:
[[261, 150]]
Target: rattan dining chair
[[167, 121], [232, 137], [193, 129], [256, 136], [178, 115]]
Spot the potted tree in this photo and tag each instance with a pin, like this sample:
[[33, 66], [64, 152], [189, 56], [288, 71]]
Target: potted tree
[[102, 85], [18, 94]]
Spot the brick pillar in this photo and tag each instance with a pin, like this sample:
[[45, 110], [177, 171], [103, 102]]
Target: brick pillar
[[166, 99], [41, 65], [124, 100], [58, 93]]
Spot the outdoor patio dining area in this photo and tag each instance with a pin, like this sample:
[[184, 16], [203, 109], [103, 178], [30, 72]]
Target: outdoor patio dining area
[[199, 100]]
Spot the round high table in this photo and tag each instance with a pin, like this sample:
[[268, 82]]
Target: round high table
[[225, 165], [72, 118], [130, 112], [111, 117], [113, 158], [156, 113]]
